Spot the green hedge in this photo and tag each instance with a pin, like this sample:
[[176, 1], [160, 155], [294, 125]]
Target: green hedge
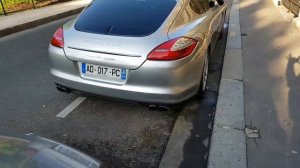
[[13, 2]]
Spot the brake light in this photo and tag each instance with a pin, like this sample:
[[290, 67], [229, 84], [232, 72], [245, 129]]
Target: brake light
[[174, 49], [58, 38], [31, 152]]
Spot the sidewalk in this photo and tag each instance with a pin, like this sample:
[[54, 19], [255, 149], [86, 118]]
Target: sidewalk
[[35, 17], [271, 54], [264, 85]]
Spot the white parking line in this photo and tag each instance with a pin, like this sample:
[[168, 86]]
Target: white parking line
[[71, 107]]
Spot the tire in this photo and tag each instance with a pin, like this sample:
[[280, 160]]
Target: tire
[[222, 27], [221, 35], [203, 83]]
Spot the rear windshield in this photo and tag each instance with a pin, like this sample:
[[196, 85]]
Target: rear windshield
[[124, 17]]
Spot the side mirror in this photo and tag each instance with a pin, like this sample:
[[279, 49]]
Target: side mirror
[[211, 4], [220, 2]]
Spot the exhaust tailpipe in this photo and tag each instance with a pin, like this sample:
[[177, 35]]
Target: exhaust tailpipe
[[63, 89], [158, 108]]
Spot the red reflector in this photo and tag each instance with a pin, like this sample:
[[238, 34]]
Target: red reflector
[[31, 152], [174, 49], [58, 38]]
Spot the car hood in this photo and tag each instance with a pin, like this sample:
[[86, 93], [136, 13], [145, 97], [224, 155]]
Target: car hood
[[30, 151]]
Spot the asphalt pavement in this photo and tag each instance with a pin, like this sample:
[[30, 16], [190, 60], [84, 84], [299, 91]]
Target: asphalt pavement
[[121, 134]]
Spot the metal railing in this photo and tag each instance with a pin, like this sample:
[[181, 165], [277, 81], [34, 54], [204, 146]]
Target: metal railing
[[292, 5], [11, 6]]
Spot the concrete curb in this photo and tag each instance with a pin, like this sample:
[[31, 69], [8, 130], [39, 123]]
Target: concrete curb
[[38, 22], [173, 155], [228, 143]]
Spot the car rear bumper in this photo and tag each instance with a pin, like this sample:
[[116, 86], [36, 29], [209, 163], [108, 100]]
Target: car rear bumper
[[153, 82], [157, 98]]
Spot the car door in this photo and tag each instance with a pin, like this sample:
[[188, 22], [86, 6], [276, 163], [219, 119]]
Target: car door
[[216, 23], [218, 12], [214, 19]]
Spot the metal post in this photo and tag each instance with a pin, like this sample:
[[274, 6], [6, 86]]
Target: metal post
[[33, 4], [3, 7]]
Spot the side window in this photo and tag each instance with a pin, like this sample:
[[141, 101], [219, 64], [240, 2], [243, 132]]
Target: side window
[[199, 6]]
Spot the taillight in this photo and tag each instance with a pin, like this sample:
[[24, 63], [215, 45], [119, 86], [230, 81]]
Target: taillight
[[58, 38], [31, 152], [174, 49]]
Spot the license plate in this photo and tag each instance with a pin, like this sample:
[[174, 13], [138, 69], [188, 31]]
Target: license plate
[[103, 72]]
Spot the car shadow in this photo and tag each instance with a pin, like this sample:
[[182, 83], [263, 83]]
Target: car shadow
[[196, 147]]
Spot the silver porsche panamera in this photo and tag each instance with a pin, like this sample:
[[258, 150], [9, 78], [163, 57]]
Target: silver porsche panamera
[[153, 51]]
